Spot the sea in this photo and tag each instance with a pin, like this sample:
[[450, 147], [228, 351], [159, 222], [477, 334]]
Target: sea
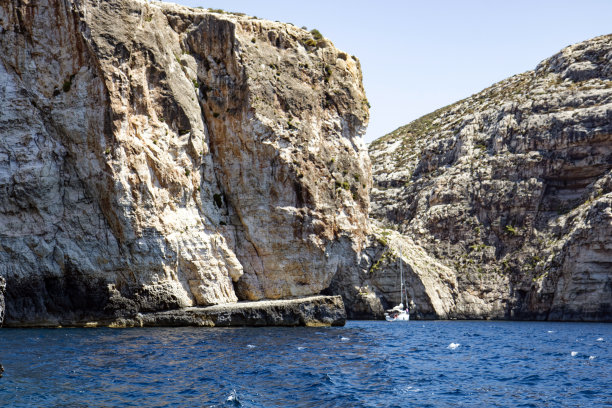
[[363, 364]]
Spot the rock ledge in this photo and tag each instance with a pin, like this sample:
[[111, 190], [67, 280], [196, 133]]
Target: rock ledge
[[308, 311]]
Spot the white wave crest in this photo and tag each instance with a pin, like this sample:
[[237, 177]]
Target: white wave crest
[[453, 346]]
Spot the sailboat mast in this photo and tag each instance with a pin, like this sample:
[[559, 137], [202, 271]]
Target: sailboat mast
[[401, 280]]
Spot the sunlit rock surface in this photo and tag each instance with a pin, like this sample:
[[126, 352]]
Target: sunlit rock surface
[[511, 191], [156, 157]]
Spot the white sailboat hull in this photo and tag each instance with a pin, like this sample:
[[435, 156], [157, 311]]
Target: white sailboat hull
[[402, 317]]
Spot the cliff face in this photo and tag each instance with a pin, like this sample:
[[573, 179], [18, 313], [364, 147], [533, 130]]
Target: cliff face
[[154, 156], [511, 190]]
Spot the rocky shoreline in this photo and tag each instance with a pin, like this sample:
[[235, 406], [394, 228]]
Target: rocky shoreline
[[313, 311]]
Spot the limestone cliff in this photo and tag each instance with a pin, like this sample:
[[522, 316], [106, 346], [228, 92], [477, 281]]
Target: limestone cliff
[[510, 190], [154, 156]]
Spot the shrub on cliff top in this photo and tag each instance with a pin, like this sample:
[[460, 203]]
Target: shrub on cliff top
[[316, 39], [316, 34]]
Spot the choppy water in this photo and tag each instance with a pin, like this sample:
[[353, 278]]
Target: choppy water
[[365, 364]]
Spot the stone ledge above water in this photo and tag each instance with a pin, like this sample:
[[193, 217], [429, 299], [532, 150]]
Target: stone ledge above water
[[309, 311]]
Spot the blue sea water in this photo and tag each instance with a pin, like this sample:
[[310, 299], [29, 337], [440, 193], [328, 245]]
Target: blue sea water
[[364, 364]]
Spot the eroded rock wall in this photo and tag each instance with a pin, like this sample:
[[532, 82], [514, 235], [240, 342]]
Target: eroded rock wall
[[511, 190], [154, 156]]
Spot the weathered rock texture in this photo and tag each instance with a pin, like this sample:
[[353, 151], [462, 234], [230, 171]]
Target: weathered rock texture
[[511, 190], [374, 286], [154, 157], [312, 311]]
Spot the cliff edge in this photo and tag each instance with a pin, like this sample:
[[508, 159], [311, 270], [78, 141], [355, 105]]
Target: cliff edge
[[155, 157], [510, 191]]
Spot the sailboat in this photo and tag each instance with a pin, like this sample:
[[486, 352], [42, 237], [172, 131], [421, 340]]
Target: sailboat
[[399, 313]]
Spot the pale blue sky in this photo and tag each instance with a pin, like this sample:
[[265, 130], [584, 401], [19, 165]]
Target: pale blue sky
[[419, 56]]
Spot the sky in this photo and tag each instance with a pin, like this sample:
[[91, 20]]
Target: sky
[[418, 56]]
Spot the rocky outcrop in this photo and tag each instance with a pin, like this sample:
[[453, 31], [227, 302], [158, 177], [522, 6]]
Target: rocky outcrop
[[511, 191], [313, 311], [157, 157], [374, 286]]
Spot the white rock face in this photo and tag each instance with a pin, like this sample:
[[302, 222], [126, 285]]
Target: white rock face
[[510, 189], [154, 156]]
